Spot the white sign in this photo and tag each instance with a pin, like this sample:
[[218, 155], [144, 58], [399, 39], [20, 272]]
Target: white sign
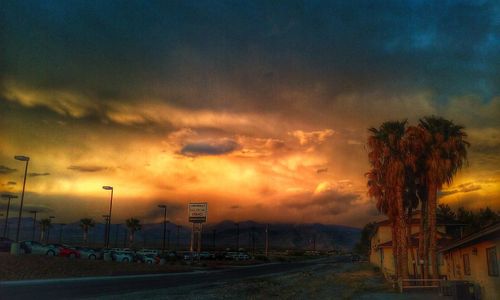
[[198, 212]]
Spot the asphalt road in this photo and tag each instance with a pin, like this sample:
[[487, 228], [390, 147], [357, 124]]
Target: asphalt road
[[75, 288]]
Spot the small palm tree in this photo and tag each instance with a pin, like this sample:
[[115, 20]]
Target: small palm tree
[[86, 224], [44, 225], [133, 226]]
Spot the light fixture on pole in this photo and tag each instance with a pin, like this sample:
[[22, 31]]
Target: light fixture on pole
[[108, 229], [25, 159], [9, 197], [164, 224]]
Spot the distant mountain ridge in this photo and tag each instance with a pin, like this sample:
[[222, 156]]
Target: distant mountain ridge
[[251, 234]]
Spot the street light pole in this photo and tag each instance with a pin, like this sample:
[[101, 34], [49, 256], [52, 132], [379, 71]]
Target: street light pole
[[164, 225], [109, 188], [9, 197], [106, 219], [48, 229], [34, 223], [178, 237], [237, 236], [26, 159], [61, 232]]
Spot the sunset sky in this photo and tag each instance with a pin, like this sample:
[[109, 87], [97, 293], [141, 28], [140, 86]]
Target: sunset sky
[[260, 108]]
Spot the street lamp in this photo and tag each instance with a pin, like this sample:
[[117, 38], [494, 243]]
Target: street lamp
[[164, 224], [61, 232], [9, 197], [106, 219], [34, 223], [25, 159], [48, 229], [108, 229]]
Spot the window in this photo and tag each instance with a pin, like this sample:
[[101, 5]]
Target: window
[[466, 264], [491, 256]]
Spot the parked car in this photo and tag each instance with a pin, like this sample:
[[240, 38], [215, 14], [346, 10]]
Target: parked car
[[5, 244], [207, 255], [67, 251], [146, 258], [122, 256], [89, 253], [148, 251], [33, 247]]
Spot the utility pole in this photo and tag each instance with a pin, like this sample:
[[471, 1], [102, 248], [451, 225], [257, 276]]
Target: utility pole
[[213, 238], [237, 236], [267, 240], [314, 242], [178, 237], [34, 224], [116, 235], [61, 226]]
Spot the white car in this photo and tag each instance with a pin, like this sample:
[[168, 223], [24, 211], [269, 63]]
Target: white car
[[148, 252], [33, 247], [122, 256], [89, 253]]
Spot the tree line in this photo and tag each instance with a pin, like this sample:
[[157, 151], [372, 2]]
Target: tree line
[[409, 165], [86, 224]]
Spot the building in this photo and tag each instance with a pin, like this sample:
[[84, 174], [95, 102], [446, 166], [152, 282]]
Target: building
[[475, 258], [381, 247]]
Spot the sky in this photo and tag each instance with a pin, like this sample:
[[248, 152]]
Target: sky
[[260, 108]]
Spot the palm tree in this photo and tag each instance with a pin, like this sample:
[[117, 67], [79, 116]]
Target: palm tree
[[44, 225], [387, 181], [445, 152], [86, 224], [133, 225]]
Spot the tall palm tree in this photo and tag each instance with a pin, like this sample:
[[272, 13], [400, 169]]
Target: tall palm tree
[[86, 224], [133, 225], [386, 183], [44, 225], [444, 155]]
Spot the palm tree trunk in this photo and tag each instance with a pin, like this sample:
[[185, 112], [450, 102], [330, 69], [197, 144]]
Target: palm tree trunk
[[409, 241], [85, 235], [432, 202], [131, 238], [423, 239], [395, 248], [402, 241]]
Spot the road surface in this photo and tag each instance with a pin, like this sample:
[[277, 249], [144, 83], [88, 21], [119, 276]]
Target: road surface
[[94, 287]]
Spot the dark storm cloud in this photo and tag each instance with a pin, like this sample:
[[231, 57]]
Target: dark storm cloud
[[6, 170], [197, 53], [210, 148], [34, 174], [331, 202], [87, 169], [174, 210]]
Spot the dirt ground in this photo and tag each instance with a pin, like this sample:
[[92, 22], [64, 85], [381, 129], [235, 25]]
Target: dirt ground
[[42, 267], [38, 267], [322, 281]]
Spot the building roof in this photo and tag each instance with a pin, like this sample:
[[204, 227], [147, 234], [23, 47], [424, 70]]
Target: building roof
[[489, 233]]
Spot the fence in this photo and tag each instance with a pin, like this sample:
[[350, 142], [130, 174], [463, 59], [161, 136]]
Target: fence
[[454, 289]]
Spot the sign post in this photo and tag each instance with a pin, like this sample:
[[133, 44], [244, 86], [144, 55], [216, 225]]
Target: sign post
[[197, 213]]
